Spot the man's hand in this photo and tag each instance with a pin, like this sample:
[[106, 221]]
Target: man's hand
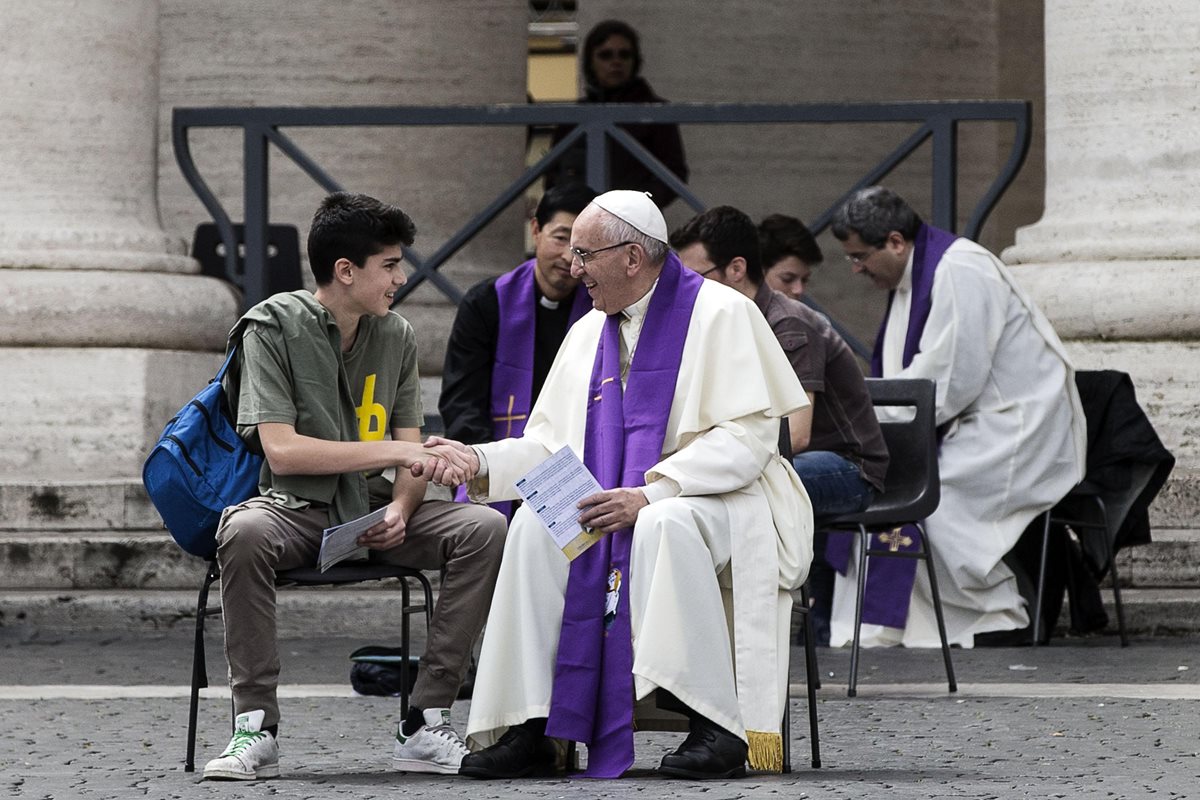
[[447, 462], [389, 533], [612, 509]]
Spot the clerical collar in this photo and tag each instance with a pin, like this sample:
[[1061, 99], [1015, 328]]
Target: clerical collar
[[905, 284], [546, 302], [637, 311]]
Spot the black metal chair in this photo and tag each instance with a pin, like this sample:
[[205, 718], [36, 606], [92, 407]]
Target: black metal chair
[[1127, 465], [345, 573], [911, 493], [284, 271], [812, 682], [1087, 494], [812, 673]]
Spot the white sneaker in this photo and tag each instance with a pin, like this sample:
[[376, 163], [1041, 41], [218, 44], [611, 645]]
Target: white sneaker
[[252, 753], [435, 747]]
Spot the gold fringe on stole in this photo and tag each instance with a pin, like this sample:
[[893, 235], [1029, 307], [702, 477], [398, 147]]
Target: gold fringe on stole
[[766, 751]]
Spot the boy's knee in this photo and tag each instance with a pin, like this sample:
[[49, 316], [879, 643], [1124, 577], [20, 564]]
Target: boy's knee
[[490, 528], [242, 534]]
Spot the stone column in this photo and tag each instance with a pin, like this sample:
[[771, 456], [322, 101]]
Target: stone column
[[1115, 260], [103, 330], [367, 53]]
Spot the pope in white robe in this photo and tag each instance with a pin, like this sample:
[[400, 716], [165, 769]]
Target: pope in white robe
[[724, 538], [1013, 431]]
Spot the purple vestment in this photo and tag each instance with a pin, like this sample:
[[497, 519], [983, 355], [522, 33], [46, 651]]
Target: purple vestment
[[890, 580], [512, 369], [592, 696]]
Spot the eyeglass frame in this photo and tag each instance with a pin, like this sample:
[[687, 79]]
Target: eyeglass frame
[[584, 255], [857, 259]]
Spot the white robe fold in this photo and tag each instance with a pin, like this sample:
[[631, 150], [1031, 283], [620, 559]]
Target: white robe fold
[[1015, 445], [741, 514]]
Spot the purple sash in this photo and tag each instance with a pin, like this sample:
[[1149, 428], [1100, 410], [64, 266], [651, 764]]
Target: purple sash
[[928, 248], [592, 697], [512, 369], [890, 580]]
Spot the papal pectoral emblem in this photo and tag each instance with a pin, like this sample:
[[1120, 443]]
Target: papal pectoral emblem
[[612, 598]]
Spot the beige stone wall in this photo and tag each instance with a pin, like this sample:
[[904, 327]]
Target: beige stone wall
[[357, 52], [855, 51]]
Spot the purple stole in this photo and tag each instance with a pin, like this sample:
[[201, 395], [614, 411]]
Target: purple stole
[[592, 696], [890, 580], [512, 369]]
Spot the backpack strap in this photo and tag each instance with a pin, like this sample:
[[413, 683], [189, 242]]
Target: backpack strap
[[225, 367]]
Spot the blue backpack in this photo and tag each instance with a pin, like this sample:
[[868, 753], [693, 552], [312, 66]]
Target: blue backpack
[[199, 467]]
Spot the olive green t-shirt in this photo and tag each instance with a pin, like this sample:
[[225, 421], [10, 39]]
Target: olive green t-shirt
[[282, 382]]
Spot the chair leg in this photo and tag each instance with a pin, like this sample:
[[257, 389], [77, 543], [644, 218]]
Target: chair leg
[[785, 730], [810, 639], [1041, 582], [199, 665], [813, 683], [937, 608], [864, 543], [404, 647], [1116, 579]]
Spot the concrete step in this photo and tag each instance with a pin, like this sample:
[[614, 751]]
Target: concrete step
[[370, 611], [89, 559], [1151, 612], [96, 560], [122, 505], [1171, 560]]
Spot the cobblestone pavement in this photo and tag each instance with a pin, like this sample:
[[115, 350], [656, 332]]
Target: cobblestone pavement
[[1077, 719]]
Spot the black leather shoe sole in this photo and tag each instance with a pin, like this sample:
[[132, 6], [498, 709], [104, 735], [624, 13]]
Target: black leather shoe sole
[[491, 774], [679, 772]]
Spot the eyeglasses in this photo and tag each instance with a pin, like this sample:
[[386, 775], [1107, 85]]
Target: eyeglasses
[[858, 258], [711, 269], [584, 255], [625, 54]]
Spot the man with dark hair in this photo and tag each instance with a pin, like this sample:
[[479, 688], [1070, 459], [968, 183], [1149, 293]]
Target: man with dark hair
[[508, 330], [327, 386], [838, 449], [1012, 434], [671, 392], [612, 63], [789, 253]]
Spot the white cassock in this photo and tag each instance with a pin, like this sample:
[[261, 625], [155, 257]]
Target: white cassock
[[1015, 445], [725, 511]]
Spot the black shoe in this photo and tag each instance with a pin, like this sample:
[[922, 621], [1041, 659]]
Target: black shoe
[[1021, 637], [521, 751], [709, 751]]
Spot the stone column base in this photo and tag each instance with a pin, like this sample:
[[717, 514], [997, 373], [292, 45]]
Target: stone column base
[[1167, 378], [1152, 300], [90, 413]]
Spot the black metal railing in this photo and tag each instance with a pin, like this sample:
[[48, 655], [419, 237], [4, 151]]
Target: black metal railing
[[596, 125]]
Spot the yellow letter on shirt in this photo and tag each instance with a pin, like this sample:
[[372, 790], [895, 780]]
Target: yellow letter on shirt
[[372, 418]]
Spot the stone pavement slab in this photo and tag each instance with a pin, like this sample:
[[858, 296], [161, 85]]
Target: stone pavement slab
[[1082, 718], [898, 747]]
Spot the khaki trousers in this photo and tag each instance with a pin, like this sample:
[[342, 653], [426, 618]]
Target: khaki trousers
[[258, 537]]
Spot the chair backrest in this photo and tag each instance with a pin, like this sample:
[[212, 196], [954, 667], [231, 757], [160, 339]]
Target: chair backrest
[[284, 272], [912, 489]]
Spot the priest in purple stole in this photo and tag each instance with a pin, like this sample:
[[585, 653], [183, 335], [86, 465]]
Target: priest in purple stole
[[508, 330], [1011, 431], [671, 394]]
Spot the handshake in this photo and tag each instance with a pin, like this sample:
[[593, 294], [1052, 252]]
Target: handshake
[[445, 462]]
